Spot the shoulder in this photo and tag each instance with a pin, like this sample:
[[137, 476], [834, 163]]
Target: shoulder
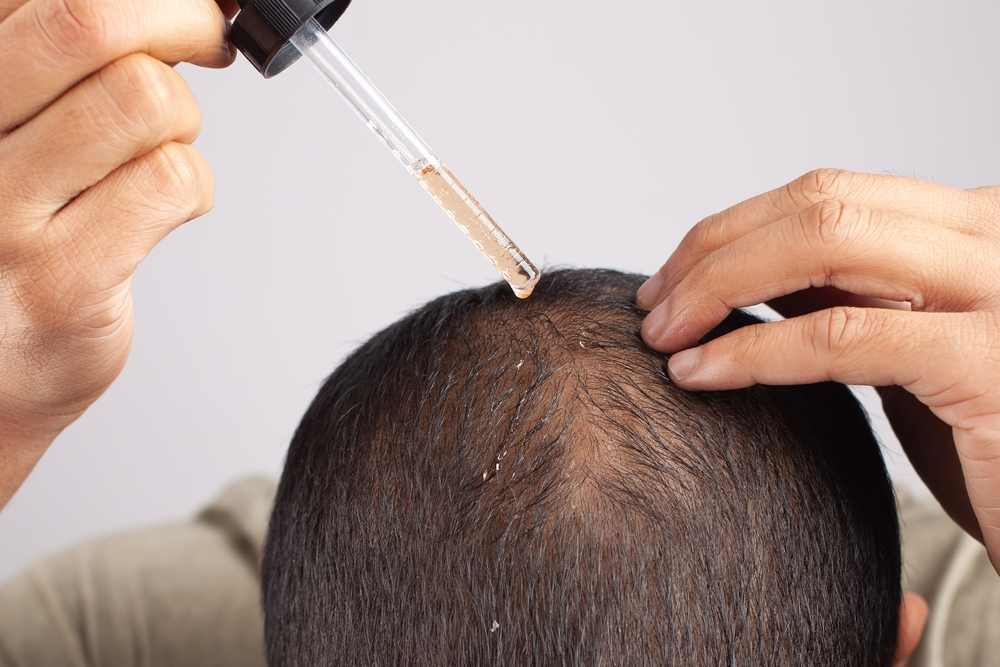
[[188, 590]]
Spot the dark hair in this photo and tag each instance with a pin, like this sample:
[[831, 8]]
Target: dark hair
[[491, 481]]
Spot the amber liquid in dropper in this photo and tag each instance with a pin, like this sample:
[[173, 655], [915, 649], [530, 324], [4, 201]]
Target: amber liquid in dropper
[[477, 224]]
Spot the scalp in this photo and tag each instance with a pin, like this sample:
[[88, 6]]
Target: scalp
[[529, 465]]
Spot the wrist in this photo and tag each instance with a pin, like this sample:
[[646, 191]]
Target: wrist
[[24, 438]]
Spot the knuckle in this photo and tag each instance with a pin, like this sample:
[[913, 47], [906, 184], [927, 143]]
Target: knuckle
[[822, 184], [144, 91], [696, 240], [179, 177], [709, 273], [705, 237], [76, 29], [829, 223], [747, 343], [832, 332], [705, 288]]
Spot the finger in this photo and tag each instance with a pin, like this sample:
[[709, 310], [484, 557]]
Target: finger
[[869, 253], [123, 111], [908, 196], [102, 235], [819, 298], [850, 345], [47, 46]]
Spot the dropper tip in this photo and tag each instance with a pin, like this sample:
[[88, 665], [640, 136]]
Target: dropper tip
[[524, 289]]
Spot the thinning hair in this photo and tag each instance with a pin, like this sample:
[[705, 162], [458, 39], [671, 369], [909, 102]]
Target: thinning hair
[[491, 481]]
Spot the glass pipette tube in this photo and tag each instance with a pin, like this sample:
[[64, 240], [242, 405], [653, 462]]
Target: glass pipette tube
[[337, 68]]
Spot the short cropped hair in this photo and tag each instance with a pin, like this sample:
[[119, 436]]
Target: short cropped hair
[[505, 482]]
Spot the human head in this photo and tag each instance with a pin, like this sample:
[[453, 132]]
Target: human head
[[506, 482]]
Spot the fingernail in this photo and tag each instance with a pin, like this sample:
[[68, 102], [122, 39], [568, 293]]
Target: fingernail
[[647, 292], [661, 322], [683, 364], [655, 323]]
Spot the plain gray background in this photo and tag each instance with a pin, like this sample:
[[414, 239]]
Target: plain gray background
[[596, 133]]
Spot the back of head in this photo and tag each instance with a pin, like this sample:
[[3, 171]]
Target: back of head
[[491, 481]]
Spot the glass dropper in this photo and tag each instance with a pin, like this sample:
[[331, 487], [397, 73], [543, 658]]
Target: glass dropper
[[314, 43]]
